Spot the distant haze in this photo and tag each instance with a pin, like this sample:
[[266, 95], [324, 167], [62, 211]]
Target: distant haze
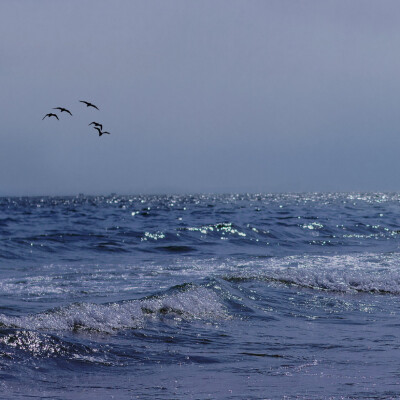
[[199, 96]]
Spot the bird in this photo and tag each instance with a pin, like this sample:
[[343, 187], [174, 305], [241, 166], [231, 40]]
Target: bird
[[100, 132], [96, 124], [62, 109], [88, 104], [50, 115]]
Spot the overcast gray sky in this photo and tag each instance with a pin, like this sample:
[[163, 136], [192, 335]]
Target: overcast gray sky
[[200, 96]]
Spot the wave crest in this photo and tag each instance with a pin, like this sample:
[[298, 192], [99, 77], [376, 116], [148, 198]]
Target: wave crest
[[195, 303], [370, 273]]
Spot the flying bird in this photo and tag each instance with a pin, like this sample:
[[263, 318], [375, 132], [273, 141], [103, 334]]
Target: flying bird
[[50, 115], [88, 104], [96, 124], [62, 109], [100, 132]]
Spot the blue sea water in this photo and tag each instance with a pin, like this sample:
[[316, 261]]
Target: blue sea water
[[275, 296]]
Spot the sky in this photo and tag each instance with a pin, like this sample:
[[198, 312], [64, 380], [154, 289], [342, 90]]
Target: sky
[[209, 96]]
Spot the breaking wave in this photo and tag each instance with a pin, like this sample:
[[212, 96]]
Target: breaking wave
[[195, 303], [372, 273]]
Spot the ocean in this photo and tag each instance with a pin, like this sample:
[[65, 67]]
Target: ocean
[[247, 296]]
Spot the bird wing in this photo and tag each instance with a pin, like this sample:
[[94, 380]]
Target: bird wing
[[45, 116], [58, 108], [54, 115], [82, 101], [98, 130], [69, 112]]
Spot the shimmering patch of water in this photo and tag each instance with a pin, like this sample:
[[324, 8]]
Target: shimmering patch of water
[[200, 296]]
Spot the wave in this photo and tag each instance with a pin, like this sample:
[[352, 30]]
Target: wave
[[369, 273], [193, 303], [87, 227], [40, 344], [351, 273]]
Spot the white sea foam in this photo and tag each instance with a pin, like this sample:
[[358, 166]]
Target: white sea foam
[[194, 303], [366, 272], [343, 273]]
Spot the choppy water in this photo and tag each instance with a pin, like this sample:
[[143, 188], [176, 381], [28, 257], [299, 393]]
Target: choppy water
[[200, 297]]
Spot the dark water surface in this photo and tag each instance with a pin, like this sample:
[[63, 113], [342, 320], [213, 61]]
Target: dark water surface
[[291, 296]]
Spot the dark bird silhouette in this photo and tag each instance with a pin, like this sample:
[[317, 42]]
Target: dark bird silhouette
[[100, 132], [50, 115], [62, 109], [88, 104], [96, 124]]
